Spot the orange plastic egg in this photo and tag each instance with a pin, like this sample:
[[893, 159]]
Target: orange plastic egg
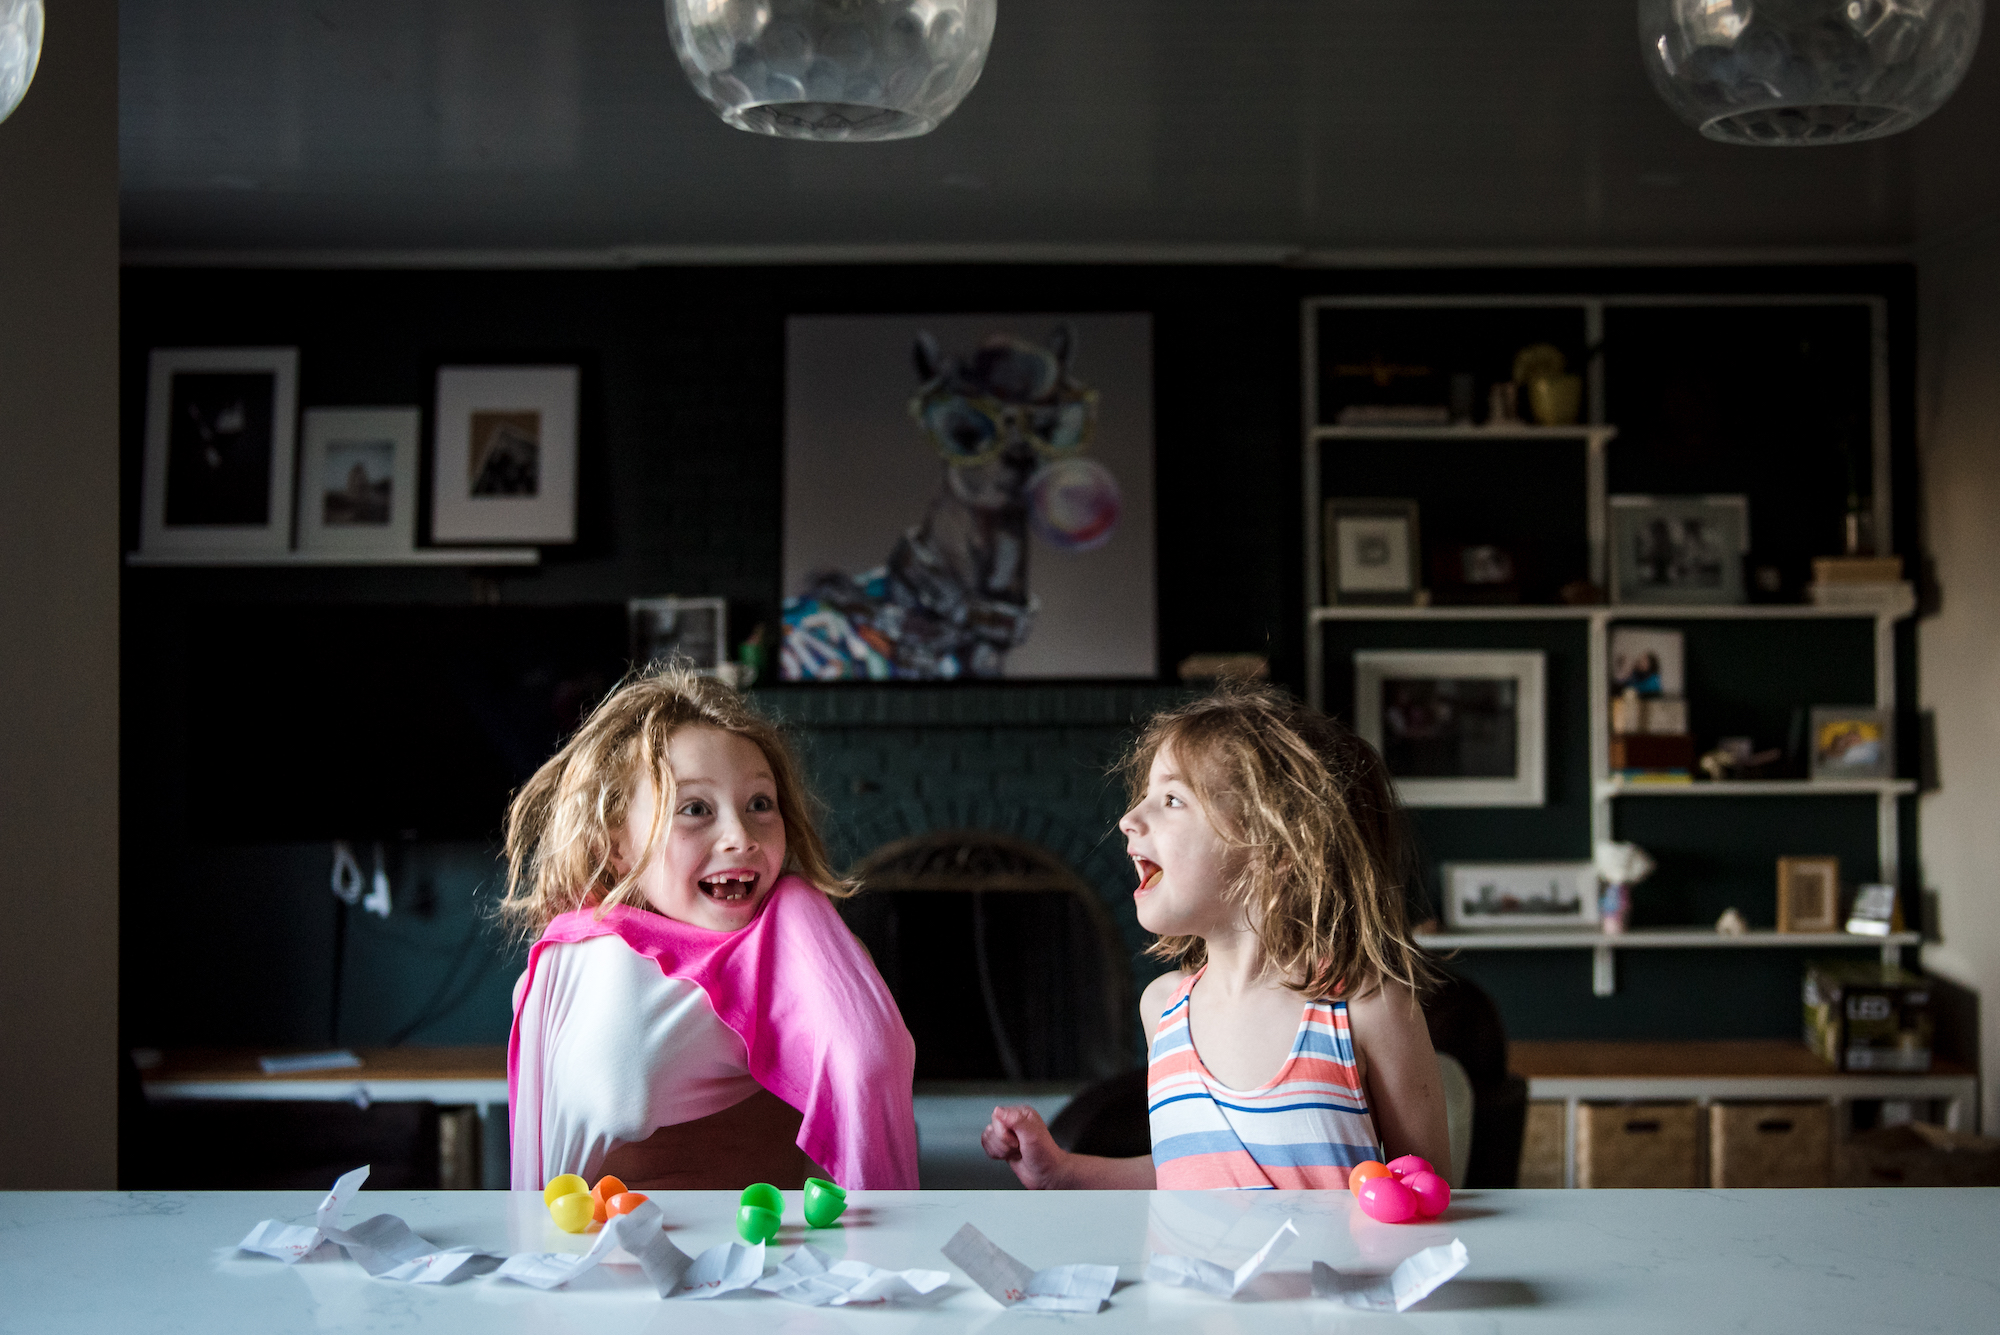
[[1363, 1171], [625, 1202], [607, 1187]]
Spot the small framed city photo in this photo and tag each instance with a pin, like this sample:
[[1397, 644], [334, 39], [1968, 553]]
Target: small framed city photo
[[1456, 728], [219, 451], [695, 630], [1853, 743], [358, 480], [1809, 894], [1678, 549], [1372, 551], [503, 465], [1504, 896]]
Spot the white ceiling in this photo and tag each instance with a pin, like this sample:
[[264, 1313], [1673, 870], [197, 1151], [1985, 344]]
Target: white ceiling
[[1199, 127]]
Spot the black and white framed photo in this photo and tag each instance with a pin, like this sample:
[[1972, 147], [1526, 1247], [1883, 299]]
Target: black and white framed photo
[[1678, 549], [695, 629], [1372, 551], [1504, 896], [1457, 728], [358, 480], [219, 450], [504, 462], [1853, 743]]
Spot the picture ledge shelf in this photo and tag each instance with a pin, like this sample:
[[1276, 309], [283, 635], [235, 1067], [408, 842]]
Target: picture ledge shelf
[[1601, 611], [422, 556], [1761, 788], [1464, 432], [1603, 948]]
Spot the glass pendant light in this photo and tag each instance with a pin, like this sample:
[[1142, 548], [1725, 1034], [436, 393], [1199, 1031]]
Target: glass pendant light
[[20, 50], [832, 69], [1793, 72]]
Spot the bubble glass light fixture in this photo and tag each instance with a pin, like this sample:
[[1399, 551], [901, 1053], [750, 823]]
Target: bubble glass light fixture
[[20, 50], [1786, 73], [832, 69]]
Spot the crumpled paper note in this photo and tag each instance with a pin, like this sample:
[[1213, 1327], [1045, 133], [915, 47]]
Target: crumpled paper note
[[1411, 1282], [1060, 1288], [812, 1277], [1195, 1273], [384, 1245], [674, 1274]]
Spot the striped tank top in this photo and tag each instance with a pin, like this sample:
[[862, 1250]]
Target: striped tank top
[[1305, 1128]]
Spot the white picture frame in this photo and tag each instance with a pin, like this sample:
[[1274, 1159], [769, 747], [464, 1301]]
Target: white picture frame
[[1678, 550], [694, 628], [1457, 728], [1520, 896], [358, 480], [503, 461], [221, 437]]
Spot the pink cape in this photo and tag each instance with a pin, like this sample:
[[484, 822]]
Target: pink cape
[[821, 1029]]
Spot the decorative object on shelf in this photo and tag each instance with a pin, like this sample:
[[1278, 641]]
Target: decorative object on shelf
[[1474, 574], [1731, 923], [1651, 660], [1554, 396], [1736, 758], [752, 656], [1853, 743], [989, 516], [219, 451], [20, 50], [1678, 549], [358, 479], [1225, 667], [1875, 911], [1456, 728], [1809, 894], [1503, 896], [1372, 549], [1862, 582], [1869, 1017], [1582, 593], [1621, 866], [503, 466], [1806, 72], [832, 70], [1503, 404], [1394, 415], [696, 629]]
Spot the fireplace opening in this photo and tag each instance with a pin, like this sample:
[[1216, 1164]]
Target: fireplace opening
[[1005, 963]]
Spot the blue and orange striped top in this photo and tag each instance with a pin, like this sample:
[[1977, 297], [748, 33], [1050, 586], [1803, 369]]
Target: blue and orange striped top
[[1304, 1128]]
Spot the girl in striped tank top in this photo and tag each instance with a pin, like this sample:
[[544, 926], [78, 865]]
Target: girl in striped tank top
[[1288, 1045]]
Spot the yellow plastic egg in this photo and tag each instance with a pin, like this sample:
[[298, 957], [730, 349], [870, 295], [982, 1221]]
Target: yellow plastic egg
[[560, 1187], [573, 1213]]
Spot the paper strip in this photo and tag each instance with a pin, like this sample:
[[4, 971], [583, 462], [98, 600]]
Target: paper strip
[[674, 1274], [1062, 1288], [812, 1277], [1195, 1273], [292, 1243], [1411, 1282]]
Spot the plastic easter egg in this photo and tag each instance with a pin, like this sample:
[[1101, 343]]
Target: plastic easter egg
[[573, 1213], [560, 1187], [1433, 1193], [1365, 1171], [754, 1224], [824, 1202], [1387, 1201], [607, 1187], [764, 1196], [1409, 1164], [625, 1202]]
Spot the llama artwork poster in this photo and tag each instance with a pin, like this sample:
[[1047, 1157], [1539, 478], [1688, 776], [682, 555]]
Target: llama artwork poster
[[968, 496]]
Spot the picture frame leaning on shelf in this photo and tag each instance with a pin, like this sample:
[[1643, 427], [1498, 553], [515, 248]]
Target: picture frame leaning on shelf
[[1519, 896], [1457, 728], [1685, 550], [1373, 552], [220, 442], [358, 480]]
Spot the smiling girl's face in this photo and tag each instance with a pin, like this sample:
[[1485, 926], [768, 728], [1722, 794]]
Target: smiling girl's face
[[1184, 866], [724, 847]]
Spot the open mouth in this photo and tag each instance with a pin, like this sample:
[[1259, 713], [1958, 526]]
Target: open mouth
[[1149, 872], [729, 887]]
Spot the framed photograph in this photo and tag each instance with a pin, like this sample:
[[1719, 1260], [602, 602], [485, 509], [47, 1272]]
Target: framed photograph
[[1458, 729], [1678, 549], [968, 496], [1649, 660], [1372, 551], [1496, 896], [503, 468], [358, 480], [1809, 894], [696, 629], [1853, 743], [219, 450]]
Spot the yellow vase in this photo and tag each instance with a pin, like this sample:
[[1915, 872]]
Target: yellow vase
[[1556, 400]]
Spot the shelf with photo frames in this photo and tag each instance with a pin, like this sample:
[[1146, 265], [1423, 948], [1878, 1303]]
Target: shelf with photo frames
[[421, 556], [1580, 634], [1604, 946]]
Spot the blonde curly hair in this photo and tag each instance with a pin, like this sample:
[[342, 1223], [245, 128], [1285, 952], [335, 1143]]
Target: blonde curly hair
[[563, 825], [1325, 855]]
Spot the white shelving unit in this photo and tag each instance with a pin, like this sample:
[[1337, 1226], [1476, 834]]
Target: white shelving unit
[[422, 556], [1596, 436]]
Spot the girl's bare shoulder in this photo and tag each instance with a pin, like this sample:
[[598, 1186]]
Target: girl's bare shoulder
[[1154, 999]]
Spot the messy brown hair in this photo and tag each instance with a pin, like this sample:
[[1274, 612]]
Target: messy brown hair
[[1324, 855], [562, 826]]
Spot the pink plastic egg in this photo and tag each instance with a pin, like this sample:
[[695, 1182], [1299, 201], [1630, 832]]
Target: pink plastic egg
[[1409, 1164], [1386, 1200], [1433, 1193]]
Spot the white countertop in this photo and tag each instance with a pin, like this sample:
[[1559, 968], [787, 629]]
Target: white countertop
[[1669, 1261]]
